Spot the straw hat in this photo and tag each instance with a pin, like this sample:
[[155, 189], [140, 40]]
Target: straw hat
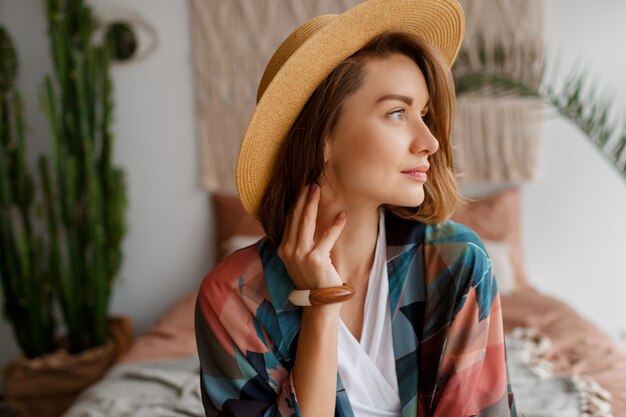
[[310, 53]]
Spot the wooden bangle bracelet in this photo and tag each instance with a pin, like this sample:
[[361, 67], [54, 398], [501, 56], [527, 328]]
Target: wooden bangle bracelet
[[321, 296]]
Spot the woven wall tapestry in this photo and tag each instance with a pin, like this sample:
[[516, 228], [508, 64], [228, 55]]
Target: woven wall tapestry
[[232, 41]]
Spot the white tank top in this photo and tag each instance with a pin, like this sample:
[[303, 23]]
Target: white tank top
[[367, 368]]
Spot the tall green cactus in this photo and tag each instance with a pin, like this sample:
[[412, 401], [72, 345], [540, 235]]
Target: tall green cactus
[[83, 194], [86, 196], [26, 283]]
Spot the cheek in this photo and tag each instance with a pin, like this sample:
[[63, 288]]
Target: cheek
[[369, 145], [367, 151], [378, 155], [366, 160]]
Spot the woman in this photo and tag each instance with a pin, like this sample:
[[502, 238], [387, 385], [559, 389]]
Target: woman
[[363, 299]]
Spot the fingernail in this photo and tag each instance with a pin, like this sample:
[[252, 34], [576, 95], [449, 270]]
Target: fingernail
[[312, 188], [342, 215]]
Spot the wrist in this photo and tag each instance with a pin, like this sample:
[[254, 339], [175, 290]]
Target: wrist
[[326, 313], [322, 296]]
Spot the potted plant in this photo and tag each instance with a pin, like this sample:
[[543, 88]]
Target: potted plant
[[27, 288], [67, 249]]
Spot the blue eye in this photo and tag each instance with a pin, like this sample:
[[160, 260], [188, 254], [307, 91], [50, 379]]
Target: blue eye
[[398, 112]]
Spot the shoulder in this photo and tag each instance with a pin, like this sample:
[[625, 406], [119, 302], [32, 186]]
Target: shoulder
[[455, 243], [444, 243], [233, 317], [238, 271], [452, 233], [455, 258], [242, 301]]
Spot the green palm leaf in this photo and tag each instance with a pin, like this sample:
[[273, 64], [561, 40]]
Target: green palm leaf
[[575, 100]]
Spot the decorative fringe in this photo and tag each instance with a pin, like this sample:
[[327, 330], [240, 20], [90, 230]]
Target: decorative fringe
[[496, 139], [595, 400], [536, 346]]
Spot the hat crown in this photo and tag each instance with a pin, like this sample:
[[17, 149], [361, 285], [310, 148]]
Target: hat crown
[[289, 46]]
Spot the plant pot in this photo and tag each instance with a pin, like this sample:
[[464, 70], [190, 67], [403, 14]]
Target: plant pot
[[47, 385]]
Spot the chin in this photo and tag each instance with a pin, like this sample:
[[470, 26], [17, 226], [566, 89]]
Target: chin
[[410, 198]]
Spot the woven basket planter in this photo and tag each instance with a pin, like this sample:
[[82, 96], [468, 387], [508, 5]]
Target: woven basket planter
[[47, 385]]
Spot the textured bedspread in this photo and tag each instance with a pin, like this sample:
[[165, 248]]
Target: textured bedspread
[[159, 375], [577, 346], [154, 388], [171, 388]]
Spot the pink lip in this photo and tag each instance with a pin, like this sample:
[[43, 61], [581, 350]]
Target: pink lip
[[419, 173]]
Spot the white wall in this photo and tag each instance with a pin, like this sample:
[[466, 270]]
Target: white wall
[[168, 249], [574, 215]]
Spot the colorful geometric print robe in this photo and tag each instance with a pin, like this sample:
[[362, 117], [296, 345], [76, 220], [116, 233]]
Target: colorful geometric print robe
[[446, 326]]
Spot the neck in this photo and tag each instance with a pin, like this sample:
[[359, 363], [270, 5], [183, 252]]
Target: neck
[[353, 252]]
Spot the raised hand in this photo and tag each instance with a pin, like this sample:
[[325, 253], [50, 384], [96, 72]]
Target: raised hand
[[308, 262]]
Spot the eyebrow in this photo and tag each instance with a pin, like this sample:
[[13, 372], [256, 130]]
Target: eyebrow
[[400, 97]]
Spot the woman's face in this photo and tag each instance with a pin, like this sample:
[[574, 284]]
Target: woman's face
[[381, 139]]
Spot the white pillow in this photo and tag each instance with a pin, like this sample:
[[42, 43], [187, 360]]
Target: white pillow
[[500, 254]]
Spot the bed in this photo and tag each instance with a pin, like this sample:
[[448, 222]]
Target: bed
[[560, 363]]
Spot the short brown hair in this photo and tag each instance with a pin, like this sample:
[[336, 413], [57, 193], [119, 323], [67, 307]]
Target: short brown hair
[[301, 157]]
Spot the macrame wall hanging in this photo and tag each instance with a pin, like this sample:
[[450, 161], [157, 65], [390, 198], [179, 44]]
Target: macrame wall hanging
[[232, 41], [497, 138]]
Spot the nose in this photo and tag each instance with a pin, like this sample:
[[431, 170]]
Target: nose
[[423, 140]]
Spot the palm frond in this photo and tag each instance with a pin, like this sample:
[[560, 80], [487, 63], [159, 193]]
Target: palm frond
[[576, 100]]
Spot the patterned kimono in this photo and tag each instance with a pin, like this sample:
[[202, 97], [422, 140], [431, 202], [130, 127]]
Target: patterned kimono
[[446, 323]]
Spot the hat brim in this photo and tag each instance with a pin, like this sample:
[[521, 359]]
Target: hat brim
[[441, 23]]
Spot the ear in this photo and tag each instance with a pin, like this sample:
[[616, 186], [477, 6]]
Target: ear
[[327, 142]]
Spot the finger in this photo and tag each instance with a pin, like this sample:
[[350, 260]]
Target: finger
[[309, 217], [293, 224], [326, 243]]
